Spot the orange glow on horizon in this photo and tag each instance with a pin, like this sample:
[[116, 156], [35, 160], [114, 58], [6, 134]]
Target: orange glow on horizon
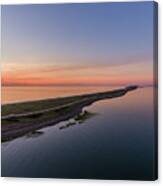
[[33, 75]]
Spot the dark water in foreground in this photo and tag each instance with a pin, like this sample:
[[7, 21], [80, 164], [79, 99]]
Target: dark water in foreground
[[115, 143]]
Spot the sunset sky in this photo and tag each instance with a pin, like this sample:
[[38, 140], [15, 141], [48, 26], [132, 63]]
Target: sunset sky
[[77, 44]]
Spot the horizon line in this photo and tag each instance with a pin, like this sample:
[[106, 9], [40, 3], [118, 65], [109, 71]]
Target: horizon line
[[70, 85]]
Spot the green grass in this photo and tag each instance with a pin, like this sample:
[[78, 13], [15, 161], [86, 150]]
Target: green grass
[[19, 108], [38, 117], [59, 106]]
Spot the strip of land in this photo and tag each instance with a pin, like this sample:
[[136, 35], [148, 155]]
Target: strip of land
[[21, 118]]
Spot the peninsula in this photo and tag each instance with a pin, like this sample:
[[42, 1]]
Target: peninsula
[[19, 119]]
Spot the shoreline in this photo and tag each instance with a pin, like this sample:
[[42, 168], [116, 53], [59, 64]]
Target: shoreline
[[52, 97], [18, 124]]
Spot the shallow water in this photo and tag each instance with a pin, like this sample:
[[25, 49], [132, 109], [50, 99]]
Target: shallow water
[[117, 142]]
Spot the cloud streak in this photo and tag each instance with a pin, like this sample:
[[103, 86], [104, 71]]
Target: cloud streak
[[77, 74]]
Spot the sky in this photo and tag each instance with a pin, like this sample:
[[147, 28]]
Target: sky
[[77, 44]]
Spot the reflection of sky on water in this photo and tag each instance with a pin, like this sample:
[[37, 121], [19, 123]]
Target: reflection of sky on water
[[117, 144], [21, 94]]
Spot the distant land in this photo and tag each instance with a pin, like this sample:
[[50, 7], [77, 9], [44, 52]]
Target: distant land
[[19, 119]]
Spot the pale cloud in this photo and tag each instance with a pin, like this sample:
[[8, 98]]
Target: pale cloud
[[33, 73]]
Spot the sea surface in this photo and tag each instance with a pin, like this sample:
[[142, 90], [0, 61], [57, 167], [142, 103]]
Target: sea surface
[[12, 94], [115, 142]]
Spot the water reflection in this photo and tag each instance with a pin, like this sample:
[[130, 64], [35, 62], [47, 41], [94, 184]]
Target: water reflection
[[79, 119], [118, 144], [34, 134], [19, 94]]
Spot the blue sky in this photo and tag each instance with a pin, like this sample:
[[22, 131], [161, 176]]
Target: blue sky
[[87, 34]]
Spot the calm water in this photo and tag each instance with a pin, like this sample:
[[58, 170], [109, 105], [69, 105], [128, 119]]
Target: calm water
[[117, 142], [19, 94]]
